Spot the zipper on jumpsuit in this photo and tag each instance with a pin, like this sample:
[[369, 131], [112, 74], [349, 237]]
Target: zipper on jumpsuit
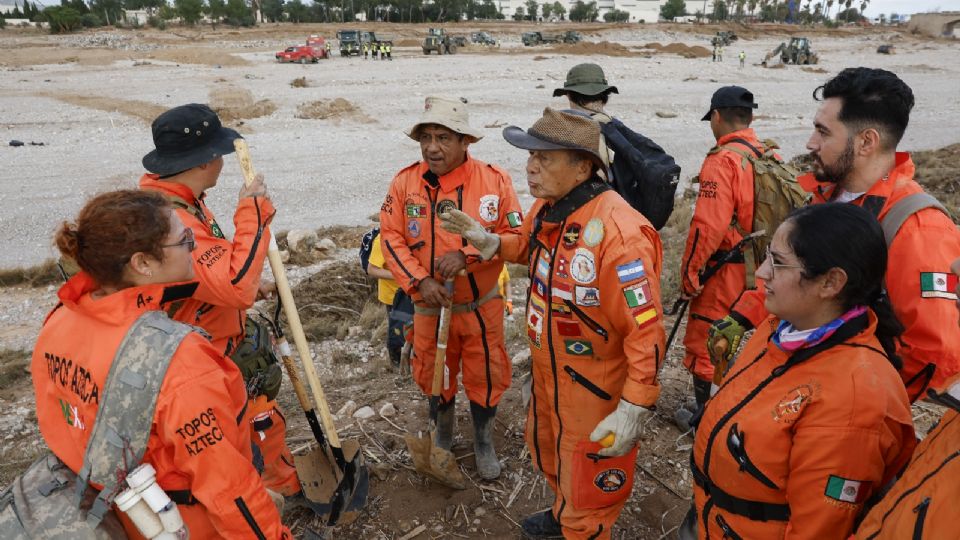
[[921, 511], [553, 362], [716, 430]]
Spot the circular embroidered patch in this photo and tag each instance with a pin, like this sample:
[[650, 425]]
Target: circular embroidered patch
[[582, 266], [610, 480], [593, 232], [445, 206], [489, 205], [414, 229]]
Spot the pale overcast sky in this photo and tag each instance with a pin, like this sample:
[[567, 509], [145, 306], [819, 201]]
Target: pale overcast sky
[[877, 7]]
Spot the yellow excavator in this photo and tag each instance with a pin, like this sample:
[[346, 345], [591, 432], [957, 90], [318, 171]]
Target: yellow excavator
[[798, 51]]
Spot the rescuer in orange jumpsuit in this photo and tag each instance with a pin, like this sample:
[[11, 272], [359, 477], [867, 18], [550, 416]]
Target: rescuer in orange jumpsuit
[[134, 252], [923, 502], [856, 131], [722, 216], [813, 419], [594, 323], [421, 256], [190, 145]]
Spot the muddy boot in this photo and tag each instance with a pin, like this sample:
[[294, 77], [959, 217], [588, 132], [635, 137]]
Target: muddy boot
[[446, 422], [487, 463], [394, 353], [541, 525]]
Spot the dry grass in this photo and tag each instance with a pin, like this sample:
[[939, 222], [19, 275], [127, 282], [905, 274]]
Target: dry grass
[[40, 275], [673, 236], [938, 171], [14, 372], [299, 82], [333, 300]]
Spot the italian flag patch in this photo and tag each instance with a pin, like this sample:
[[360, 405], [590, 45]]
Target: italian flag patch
[[851, 491], [938, 285]]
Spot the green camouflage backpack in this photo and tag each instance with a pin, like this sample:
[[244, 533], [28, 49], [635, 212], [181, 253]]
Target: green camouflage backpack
[[776, 193], [49, 500], [257, 360]]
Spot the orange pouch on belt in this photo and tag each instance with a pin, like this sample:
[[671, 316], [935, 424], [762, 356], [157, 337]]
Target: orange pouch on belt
[[601, 481]]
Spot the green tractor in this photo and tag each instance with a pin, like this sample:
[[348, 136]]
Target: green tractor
[[438, 40], [798, 51]]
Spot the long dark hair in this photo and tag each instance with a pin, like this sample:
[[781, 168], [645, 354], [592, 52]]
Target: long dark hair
[[845, 236]]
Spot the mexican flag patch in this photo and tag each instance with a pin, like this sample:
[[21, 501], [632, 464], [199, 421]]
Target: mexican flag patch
[[514, 219], [844, 490], [938, 285]]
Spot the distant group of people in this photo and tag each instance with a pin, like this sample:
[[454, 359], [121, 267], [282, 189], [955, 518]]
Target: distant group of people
[[807, 433], [382, 49]]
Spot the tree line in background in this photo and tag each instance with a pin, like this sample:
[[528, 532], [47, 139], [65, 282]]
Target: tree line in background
[[72, 15], [807, 12]]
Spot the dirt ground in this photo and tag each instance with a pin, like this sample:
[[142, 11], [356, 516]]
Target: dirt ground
[[329, 137]]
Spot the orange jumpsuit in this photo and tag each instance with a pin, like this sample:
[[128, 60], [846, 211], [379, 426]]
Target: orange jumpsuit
[[595, 327], [925, 245], [792, 450], [199, 441], [726, 194], [229, 277], [413, 240], [923, 502]]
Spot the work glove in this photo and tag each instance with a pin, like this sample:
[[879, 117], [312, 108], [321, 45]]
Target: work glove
[[730, 328], [457, 222], [624, 425]]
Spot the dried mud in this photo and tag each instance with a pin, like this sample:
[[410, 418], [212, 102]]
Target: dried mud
[[336, 109]]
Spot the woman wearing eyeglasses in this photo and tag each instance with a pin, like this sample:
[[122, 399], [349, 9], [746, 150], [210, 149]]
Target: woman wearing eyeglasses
[[135, 253], [813, 419]]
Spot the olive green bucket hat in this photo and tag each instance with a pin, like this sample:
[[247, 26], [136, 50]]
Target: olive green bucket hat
[[586, 79]]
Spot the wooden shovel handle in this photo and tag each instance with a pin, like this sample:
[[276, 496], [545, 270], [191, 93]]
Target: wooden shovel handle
[[442, 336], [290, 309], [293, 373], [719, 351]]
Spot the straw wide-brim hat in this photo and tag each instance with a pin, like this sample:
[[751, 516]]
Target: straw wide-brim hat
[[447, 112], [559, 130]]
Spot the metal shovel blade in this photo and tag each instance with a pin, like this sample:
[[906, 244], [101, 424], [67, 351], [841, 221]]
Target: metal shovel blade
[[335, 495], [435, 463]]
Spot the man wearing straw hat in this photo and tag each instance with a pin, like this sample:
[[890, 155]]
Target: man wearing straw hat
[[422, 256], [594, 364]]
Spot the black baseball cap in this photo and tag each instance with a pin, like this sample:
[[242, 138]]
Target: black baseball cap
[[730, 96], [186, 137]]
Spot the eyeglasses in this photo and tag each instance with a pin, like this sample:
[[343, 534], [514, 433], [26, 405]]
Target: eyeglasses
[[775, 265], [188, 240]]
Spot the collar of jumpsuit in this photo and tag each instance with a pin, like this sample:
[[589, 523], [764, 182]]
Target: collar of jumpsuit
[[124, 304], [153, 182], [453, 179], [903, 168]]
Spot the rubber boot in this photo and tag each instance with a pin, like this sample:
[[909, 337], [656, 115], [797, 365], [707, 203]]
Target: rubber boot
[[541, 525], [486, 455], [446, 422]]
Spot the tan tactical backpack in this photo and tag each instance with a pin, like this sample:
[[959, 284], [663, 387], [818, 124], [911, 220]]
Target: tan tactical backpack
[[775, 194]]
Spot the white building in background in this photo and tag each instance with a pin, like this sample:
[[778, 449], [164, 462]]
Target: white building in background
[[639, 10], [703, 6]]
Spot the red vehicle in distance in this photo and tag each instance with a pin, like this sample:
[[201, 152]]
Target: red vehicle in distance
[[298, 53]]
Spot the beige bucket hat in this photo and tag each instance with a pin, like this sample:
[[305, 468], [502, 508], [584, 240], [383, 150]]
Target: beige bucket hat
[[447, 112]]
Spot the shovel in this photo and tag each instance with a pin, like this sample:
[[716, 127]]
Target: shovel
[[436, 463], [333, 477]]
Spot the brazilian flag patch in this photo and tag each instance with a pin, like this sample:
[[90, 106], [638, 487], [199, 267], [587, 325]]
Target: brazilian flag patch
[[578, 347]]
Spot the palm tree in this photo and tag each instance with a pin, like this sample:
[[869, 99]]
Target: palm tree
[[829, 7]]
